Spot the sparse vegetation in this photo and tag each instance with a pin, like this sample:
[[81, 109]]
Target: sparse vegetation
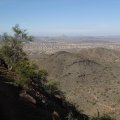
[[16, 59], [12, 46], [34, 80], [14, 56], [52, 86]]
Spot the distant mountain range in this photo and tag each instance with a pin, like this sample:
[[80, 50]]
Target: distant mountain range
[[79, 38]]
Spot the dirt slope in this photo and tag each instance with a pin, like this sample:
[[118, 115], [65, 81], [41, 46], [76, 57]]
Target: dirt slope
[[17, 103], [90, 79]]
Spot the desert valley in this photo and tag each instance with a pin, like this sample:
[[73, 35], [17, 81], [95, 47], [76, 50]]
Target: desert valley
[[87, 72]]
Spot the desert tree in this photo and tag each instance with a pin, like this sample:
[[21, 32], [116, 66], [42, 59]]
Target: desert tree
[[12, 46], [16, 59]]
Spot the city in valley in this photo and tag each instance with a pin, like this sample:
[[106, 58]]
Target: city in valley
[[74, 44]]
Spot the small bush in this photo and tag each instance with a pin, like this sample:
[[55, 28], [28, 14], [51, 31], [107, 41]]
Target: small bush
[[52, 86], [43, 74], [25, 70]]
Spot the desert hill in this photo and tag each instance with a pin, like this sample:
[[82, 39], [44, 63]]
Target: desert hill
[[90, 78], [17, 103]]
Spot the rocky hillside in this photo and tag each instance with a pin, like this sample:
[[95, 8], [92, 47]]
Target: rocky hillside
[[90, 79], [34, 103]]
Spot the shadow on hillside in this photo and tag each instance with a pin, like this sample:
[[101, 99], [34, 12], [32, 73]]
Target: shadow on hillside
[[12, 107]]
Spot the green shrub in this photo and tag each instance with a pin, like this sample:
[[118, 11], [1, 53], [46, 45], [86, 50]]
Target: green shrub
[[14, 56], [24, 68], [12, 46], [52, 86], [43, 74], [25, 71]]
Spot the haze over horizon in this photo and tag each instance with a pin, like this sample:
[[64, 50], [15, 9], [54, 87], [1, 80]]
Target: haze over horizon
[[62, 17]]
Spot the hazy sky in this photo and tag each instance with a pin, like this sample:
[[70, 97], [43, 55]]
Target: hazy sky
[[62, 17]]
